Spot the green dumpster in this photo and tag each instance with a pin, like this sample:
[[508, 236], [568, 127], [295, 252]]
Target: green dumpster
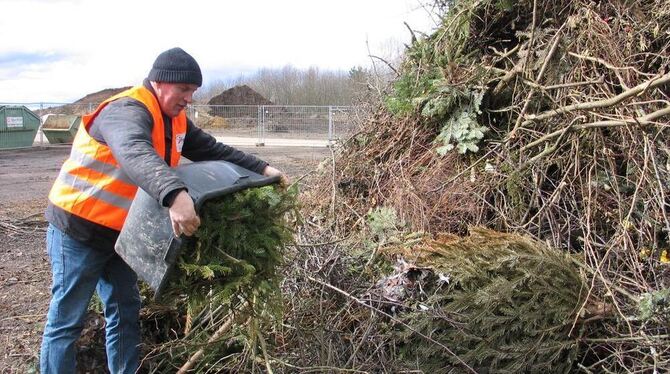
[[18, 126], [61, 128]]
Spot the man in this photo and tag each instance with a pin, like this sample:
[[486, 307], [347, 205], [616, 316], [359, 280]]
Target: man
[[132, 139]]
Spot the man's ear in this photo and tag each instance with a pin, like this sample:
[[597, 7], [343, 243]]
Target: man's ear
[[155, 85]]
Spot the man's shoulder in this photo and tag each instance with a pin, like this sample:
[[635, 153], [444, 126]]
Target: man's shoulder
[[125, 108], [123, 113], [125, 102]]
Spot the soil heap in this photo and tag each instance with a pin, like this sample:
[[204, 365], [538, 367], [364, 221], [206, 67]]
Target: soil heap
[[85, 104], [239, 95]]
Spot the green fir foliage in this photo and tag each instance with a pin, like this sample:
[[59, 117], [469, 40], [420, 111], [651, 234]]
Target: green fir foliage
[[503, 304], [409, 91], [229, 269], [237, 250]]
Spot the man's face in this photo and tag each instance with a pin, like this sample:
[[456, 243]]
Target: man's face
[[174, 97]]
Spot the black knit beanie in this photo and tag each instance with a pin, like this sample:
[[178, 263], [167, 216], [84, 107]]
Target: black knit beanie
[[176, 66]]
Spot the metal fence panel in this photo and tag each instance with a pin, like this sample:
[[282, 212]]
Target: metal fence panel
[[218, 120], [274, 121], [343, 123], [255, 123]]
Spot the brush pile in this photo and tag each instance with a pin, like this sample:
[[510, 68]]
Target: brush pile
[[548, 119]]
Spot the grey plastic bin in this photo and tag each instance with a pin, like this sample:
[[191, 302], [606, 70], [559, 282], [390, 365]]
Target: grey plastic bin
[[147, 243]]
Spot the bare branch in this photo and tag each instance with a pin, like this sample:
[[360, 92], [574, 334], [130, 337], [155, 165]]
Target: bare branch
[[640, 88]]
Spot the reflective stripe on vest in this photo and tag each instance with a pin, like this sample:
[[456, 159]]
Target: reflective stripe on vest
[[91, 184]]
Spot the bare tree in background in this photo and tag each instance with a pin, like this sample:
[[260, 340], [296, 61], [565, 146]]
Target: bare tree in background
[[291, 86]]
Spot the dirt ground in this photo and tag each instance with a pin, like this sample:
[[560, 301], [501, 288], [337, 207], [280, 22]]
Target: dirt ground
[[25, 276]]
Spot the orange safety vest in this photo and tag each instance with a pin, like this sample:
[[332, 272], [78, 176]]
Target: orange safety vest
[[91, 184]]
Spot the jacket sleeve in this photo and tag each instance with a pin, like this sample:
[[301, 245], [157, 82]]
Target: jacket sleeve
[[201, 146], [125, 125]]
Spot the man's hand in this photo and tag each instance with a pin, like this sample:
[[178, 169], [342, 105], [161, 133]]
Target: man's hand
[[269, 171], [182, 214]]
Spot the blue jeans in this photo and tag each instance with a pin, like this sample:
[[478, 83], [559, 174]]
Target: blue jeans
[[77, 269]]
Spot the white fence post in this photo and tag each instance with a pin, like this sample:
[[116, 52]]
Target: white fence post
[[41, 123], [330, 125], [260, 125]]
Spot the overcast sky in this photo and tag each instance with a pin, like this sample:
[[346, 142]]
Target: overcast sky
[[61, 50]]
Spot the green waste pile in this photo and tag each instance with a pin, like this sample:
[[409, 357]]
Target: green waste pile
[[547, 119]]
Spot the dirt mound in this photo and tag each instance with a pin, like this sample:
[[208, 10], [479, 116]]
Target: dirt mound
[[98, 97], [85, 104], [239, 95]]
